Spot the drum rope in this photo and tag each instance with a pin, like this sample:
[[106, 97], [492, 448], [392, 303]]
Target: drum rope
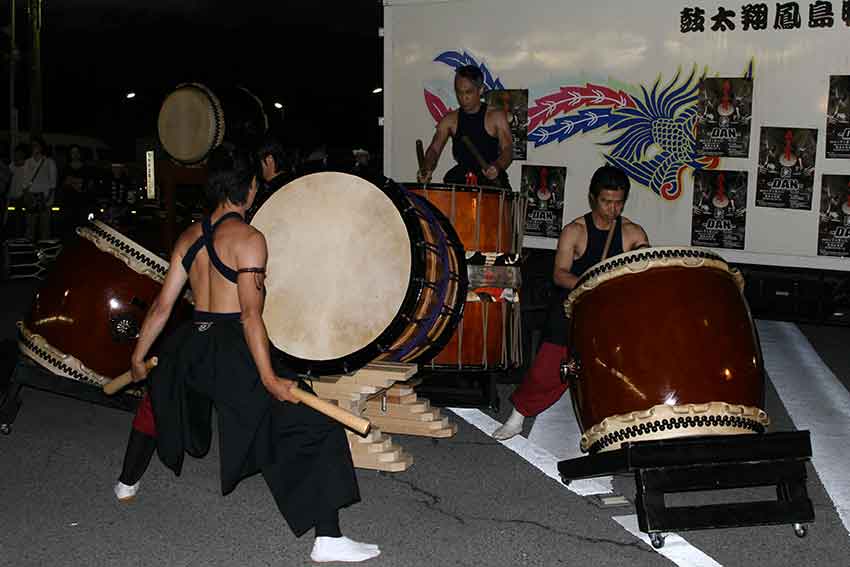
[[460, 345], [499, 229], [478, 218]]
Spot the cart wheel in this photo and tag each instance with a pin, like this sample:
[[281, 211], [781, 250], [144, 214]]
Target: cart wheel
[[657, 540], [800, 530], [5, 428]]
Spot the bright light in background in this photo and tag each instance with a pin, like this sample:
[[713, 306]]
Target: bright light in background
[[278, 106], [131, 95], [378, 90]]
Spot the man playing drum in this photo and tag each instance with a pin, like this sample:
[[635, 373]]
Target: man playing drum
[[581, 245], [486, 129], [222, 358]]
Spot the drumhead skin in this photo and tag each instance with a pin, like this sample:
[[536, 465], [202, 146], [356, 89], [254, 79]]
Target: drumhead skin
[[339, 267], [190, 123]]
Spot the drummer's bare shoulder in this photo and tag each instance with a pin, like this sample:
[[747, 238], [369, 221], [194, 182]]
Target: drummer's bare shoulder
[[496, 118], [185, 241], [448, 124], [634, 236], [252, 247]]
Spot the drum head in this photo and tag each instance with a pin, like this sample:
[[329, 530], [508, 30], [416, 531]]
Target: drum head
[[189, 123], [339, 265]]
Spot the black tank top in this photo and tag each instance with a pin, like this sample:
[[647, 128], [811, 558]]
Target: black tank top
[[596, 244], [472, 126]]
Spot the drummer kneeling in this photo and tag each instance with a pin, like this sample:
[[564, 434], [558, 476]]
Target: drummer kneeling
[[581, 245]]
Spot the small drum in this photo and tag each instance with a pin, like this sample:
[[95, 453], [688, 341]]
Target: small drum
[[358, 273], [193, 120], [485, 219], [663, 345], [88, 311]]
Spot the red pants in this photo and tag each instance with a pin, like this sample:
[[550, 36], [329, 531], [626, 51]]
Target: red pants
[[143, 422], [541, 386]]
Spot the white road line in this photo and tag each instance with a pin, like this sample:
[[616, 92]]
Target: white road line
[[816, 401], [676, 549]]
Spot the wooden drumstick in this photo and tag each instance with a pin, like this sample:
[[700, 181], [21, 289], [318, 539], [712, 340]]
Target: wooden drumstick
[[609, 239], [359, 424], [121, 381], [420, 154], [475, 153]]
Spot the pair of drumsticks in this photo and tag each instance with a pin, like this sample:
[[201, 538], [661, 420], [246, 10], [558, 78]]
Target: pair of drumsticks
[[482, 163], [355, 422]]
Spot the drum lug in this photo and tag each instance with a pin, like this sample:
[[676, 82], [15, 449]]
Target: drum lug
[[124, 328], [570, 369]]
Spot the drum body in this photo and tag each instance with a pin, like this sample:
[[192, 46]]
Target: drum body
[[358, 273], [484, 218], [663, 345], [489, 223], [193, 120], [88, 311]]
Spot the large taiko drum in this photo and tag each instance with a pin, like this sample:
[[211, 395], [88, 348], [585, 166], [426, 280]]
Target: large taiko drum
[[193, 120], [662, 345], [88, 311], [358, 274]]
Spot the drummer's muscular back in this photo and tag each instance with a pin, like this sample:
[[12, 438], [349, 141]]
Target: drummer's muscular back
[[232, 240]]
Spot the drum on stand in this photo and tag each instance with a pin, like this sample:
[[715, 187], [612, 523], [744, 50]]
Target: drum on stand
[[489, 222], [193, 120], [357, 274], [88, 311], [663, 345]]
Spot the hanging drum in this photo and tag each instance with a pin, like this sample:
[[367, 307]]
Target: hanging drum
[[357, 274], [663, 346], [194, 120], [88, 312]]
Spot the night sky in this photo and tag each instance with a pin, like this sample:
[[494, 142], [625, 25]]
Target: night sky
[[320, 58]]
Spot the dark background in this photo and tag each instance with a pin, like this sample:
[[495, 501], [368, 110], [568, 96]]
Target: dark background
[[321, 59]]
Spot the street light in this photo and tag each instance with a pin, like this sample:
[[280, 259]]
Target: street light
[[377, 90], [278, 106], [131, 95]]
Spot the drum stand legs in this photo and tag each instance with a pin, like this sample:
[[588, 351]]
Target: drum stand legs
[[27, 373], [706, 464]]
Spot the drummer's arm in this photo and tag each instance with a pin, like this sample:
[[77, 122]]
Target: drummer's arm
[[506, 142], [438, 142], [564, 256], [158, 314], [634, 237], [250, 284]]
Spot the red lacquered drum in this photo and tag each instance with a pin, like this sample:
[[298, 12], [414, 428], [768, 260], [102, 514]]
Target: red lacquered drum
[[86, 315], [485, 219], [358, 273], [663, 346]]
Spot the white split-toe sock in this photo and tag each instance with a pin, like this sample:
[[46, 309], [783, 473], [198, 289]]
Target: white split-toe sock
[[512, 426], [125, 492], [328, 549]]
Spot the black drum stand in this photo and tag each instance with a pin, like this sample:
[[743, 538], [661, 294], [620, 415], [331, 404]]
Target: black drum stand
[[27, 373], [709, 463]]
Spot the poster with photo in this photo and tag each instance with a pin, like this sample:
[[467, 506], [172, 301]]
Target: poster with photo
[[786, 168], [724, 111], [515, 104], [720, 209], [543, 186], [834, 227], [838, 118]]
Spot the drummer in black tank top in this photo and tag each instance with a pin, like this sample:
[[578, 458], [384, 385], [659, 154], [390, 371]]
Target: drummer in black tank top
[[487, 129], [580, 246]]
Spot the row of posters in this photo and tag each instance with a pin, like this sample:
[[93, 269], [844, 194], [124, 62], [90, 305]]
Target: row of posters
[[719, 217], [720, 212], [724, 116]]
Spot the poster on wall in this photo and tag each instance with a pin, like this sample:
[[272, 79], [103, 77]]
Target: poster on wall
[[543, 186], [724, 111], [834, 227], [786, 168], [515, 104], [720, 209], [838, 118]]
